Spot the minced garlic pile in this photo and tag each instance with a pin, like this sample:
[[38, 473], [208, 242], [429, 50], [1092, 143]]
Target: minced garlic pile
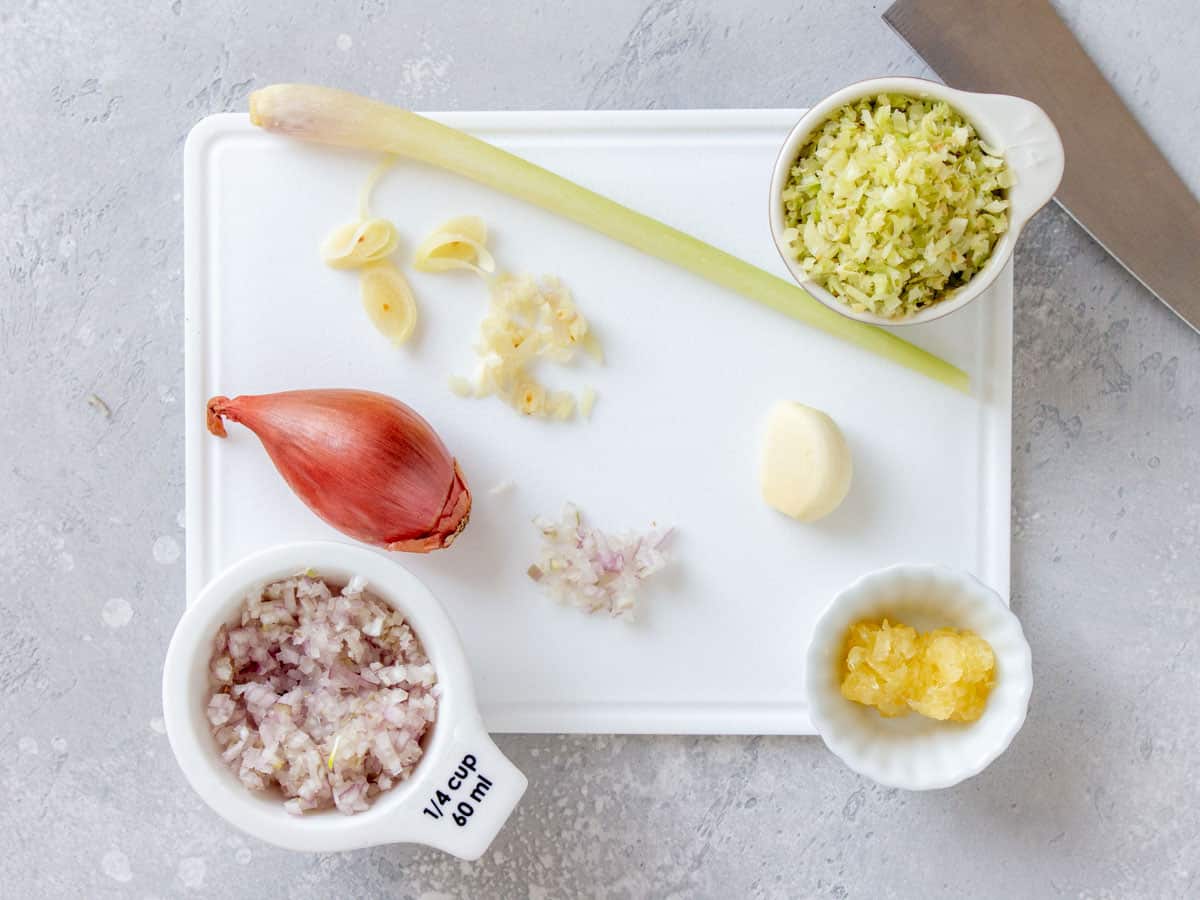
[[529, 321]]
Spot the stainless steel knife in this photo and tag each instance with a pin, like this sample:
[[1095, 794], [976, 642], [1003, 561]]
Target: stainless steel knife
[[1117, 184]]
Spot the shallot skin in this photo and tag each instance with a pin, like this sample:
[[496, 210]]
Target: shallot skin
[[366, 463]]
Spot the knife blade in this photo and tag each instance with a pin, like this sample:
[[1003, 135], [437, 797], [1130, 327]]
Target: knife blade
[[1117, 184]]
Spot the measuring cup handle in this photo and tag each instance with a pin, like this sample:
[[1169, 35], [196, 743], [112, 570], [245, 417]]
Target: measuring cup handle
[[1033, 148], [468, 798]]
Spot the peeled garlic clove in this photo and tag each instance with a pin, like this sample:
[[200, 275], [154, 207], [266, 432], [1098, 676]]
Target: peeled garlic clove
[[360, 243], [389, 302], [806, 465], [460, 243]]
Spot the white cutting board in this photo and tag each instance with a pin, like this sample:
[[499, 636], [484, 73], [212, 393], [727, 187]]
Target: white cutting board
[[691, 372]]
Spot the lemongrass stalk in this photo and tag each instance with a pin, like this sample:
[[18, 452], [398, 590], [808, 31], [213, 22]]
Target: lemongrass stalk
[[330, 116]]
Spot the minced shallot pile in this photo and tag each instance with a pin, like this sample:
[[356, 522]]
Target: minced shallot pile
[[325, 696], [584, 567]]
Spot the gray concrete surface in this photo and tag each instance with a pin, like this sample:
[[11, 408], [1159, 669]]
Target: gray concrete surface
[[1097, 797]]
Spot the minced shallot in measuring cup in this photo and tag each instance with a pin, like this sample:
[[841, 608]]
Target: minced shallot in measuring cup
[[323, 696]]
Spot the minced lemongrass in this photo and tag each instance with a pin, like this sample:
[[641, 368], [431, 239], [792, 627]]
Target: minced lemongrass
[[894, 202], [340, 118]]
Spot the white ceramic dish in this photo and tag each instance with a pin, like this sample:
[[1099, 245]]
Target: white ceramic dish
[[913, 752], [458, 751], [932, 466], [1018, 128]]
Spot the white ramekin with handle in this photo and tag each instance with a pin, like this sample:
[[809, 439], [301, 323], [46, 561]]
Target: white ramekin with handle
[[1019, 129], [463, 789]]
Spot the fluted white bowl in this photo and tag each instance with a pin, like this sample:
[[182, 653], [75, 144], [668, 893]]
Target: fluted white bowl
[[913, 752]]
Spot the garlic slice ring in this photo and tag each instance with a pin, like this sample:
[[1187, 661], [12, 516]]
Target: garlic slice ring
[[388, 301], [360, 243], [459, 243]]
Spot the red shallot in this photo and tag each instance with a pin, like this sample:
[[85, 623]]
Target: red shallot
[[364, 462]]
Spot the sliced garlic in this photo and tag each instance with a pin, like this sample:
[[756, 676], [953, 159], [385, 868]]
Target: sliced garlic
[[389, 302], [806, 465], [460, 243], [361, 243]]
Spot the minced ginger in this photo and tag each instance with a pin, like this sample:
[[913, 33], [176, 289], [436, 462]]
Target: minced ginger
[[943, 674]]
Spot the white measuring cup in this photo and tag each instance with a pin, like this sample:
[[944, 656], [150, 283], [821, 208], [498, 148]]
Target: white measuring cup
[[462, 791], [1018, 128]]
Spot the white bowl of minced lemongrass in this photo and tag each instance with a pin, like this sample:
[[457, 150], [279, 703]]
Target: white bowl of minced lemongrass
[[899, 200]]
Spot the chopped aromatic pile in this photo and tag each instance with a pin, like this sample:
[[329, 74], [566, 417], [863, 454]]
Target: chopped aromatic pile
[[894, 202], [943, 674], [583, 567], [323, 696], [528, 321]]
